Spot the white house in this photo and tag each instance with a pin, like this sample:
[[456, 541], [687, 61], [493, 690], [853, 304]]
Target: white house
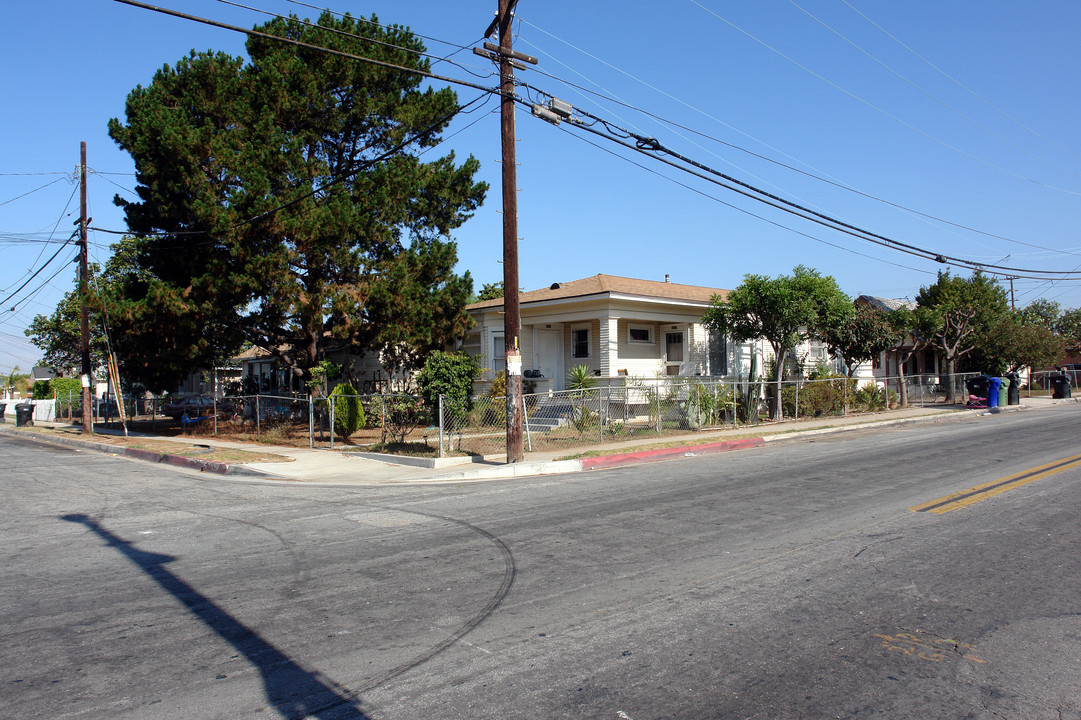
[[616, 326]]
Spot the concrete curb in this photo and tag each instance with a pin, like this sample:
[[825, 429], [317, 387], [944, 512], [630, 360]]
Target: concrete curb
[[211, 466], [513, 470], [429, 463]]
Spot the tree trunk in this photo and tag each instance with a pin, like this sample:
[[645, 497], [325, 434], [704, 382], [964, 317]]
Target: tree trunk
[[778, 374], [902, 386], [951, 366]]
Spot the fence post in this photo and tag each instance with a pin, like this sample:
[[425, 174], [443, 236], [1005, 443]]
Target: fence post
[[258, 419], [330, 406], [795, 412], [311, 420], [382, 419], [600, 417], [657, 404], [215, 417], [525, 417], [441, 425]]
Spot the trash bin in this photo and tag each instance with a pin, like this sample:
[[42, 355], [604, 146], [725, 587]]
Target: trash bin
[[1014, 395], [1004, 391], [24, 414], [3, 412], [977, 386], [994, 384], [1060, 387]]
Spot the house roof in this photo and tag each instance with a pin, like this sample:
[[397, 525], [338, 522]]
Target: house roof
[[251, 353], [885, 304], [602, 285], [42, 372]]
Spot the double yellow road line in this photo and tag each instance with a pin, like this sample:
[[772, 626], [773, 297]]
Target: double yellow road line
[[972, 495]]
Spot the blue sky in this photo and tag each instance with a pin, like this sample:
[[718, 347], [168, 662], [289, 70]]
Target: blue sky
[[952, 126]]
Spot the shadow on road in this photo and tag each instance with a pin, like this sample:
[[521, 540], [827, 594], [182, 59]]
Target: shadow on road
[[293, 691]]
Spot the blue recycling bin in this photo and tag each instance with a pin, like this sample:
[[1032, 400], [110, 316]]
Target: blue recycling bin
[[994, 385]]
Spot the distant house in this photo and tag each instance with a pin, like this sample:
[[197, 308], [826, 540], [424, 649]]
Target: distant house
[[42, 373], [363, 370], [616, 326], [924, 362]]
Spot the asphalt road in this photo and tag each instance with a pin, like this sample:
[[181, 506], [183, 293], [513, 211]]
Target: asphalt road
[[791, 581]]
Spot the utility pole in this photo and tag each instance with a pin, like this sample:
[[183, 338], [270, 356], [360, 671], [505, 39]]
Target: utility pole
[[84, 292], [512, 321], [1013, 300]]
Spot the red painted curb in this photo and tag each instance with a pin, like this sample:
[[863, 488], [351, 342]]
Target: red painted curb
[[668, 453]]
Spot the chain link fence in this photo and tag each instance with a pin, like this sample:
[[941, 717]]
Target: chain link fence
[[626, 409]]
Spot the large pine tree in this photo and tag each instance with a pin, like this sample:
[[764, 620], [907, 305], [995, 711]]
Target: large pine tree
[[283, 202]]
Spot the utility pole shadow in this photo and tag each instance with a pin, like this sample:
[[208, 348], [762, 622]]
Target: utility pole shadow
[[292, 690]]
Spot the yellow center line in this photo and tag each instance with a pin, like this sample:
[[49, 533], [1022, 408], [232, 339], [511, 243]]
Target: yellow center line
[[973, 495]]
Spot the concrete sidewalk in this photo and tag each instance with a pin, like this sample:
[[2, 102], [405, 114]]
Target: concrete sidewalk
[[320, 466]]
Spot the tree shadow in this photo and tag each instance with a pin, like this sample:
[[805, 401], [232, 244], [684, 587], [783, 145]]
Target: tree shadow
[[292, 690]]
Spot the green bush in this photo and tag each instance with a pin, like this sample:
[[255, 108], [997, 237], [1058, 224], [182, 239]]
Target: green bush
[[43, 390], [450, 375], [871, 398], [820, 397], [63, 388], [495, 409], [348, 411]]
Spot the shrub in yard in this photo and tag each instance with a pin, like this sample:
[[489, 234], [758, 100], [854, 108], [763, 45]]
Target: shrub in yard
[[495, 409], [872, 397], [43, 390], [450, 375], [63, 388], [348, 412]]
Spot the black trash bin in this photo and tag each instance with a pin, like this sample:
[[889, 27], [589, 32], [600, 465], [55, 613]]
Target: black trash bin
[[1060, 387], [977, 386], [3, 411], [24, 414], [1014, 391]]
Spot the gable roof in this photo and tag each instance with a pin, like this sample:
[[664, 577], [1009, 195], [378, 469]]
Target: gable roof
[[885, 304], [608, 285]]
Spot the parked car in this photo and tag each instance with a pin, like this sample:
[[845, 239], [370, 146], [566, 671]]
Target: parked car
[[194, 406]]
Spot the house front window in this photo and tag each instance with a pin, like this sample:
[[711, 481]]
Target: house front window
[[499, 354], [580, 342], [718, 354], [640, 334]]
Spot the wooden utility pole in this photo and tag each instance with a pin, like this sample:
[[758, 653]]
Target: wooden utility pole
[[512, 322], [84, 298]]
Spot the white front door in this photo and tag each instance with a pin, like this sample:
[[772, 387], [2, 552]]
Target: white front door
[[674, 352], [549, 352]]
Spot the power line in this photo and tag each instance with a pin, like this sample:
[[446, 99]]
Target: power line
[[739, 209], [343, 33], [307, 46], [957, 82], [36, 273], [20, 197], [650, 146], [927, 94], [334, 181], [820, 177], [883, 111]]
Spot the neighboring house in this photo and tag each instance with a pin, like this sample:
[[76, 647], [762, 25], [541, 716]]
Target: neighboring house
[[924, 362], [616, 326], [42, 373], [363, 371]]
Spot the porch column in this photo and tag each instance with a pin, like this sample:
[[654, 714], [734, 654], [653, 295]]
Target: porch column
[[609, 345]]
